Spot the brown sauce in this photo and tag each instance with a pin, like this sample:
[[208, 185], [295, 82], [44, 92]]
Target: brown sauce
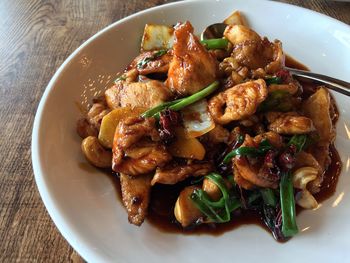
[[163, 197]]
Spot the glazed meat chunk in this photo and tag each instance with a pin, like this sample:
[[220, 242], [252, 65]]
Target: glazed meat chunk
[[136, 196], [152, 62], [137, 94], [136, 147], [238, 102], [192, 67], [249, 174], [289, 123], [252, 51], [175, 173]]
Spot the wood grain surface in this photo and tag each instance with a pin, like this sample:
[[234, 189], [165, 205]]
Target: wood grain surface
[[35, 38]]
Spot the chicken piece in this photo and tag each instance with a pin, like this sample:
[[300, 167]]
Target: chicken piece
[[192, 67], [96, 114], [238, 102], [274, 138], [136, 147], [289, 123], [86, 129], [152, 62], [241, 181], [254, 173], [173, 174], [136, 196], [291, 87], [137, 94], [218, 135], [304, 159], [251, 51]]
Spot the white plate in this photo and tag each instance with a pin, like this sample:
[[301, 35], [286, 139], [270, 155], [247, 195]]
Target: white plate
[[83, 203]]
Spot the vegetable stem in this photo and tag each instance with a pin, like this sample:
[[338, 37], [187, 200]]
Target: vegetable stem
[[263, 148], [218, 211], [216, 43], [273, 80], [268, 196], [159, 108], [195, 97], [289, 225], [179, 104], [299, 141]]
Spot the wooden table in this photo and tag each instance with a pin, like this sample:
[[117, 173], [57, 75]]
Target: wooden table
[[36, 36]]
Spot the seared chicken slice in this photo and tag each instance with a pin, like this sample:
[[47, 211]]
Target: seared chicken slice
[[252, 172], [291, 87], [136, 196], [192, 67], [136, 147], [218, 135], [152, 62], [173, 174], [289, 123], [251, 51], [253, 175], [245, 184], [137, 94], [238, 102], [274, 139], [96, 114]]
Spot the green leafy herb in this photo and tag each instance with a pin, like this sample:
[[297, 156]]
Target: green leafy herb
[[216, 43], [289, 225]]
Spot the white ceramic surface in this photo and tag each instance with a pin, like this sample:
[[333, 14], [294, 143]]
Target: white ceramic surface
[[83, 202]]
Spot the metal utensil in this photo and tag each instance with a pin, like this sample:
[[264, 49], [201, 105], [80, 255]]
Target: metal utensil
[[332, 83], [217, 30]]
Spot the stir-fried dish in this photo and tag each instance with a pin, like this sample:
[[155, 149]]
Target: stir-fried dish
[[220, 119]]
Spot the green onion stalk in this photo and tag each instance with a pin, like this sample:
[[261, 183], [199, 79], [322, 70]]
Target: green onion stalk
[[179, 104], [218, 211], [216, 43], [263, 148], [289, 225]]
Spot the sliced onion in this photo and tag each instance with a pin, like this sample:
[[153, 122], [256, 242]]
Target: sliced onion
[[197, 120], [157, 37]]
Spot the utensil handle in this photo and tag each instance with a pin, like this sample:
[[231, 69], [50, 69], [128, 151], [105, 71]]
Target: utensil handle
[[332, 83]]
